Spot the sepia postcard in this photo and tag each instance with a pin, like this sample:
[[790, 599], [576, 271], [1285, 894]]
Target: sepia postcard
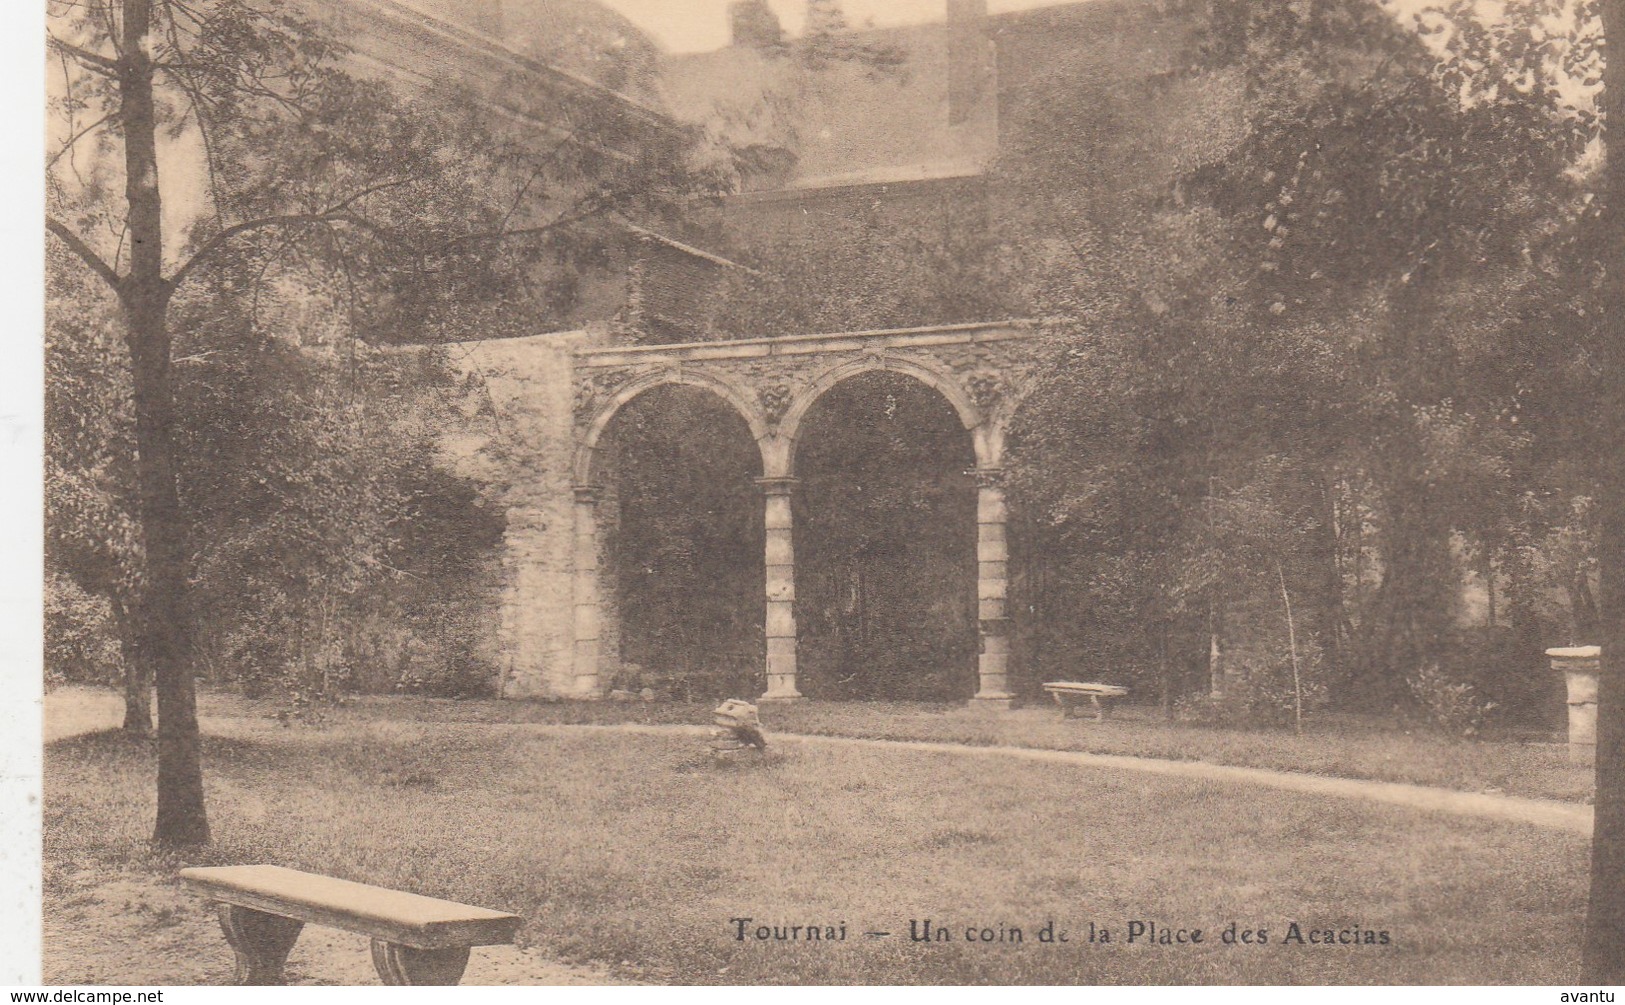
[[820, 492]]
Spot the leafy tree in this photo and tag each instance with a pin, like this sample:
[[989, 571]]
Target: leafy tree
[[332, 554], [417, 214], [1332, 240], [92, 551]]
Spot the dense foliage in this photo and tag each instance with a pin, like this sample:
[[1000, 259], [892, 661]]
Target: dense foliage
[[885, 544], [1309, 356]]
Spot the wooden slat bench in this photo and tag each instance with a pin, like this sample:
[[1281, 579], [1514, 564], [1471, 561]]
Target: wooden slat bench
[[1069, 694], [415, 940]]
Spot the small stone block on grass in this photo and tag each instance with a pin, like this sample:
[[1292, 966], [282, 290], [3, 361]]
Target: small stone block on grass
[[739, 729]]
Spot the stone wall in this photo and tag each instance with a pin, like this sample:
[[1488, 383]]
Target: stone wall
[[524, 454]]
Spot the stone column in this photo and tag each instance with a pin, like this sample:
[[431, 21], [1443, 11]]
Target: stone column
[[1580, 665], [587, 616], [781, 591], [607, 528], [992, 561]]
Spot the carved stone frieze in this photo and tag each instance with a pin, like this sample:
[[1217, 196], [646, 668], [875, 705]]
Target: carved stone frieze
[[585, 400], [989, 371], [985, 388], [775, 398], [592, 391]]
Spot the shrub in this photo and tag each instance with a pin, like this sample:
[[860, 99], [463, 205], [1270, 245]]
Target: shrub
[[1263, 693], [81, 642], [1452, 705]]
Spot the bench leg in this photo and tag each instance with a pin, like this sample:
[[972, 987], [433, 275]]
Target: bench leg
[[1100, 710], [261, 941], [402, 965]]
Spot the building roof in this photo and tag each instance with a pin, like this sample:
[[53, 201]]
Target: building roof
[[417, 40], [580, 37], [842, 121]]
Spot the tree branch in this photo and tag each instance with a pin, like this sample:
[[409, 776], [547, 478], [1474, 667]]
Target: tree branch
[[75, 138], [554, 224], [332, 214], [92, 60], [215, 242], [83, 250]]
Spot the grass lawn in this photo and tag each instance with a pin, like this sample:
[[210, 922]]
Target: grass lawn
[[1342, 746], [633, 851]]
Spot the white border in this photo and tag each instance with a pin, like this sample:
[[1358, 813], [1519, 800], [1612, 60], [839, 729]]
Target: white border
[[22, 83]]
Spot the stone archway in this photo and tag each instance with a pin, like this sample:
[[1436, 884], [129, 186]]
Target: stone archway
[[591, 615], [587, 393], [935, 377], [773, 383], [886, 540], [982, 412]]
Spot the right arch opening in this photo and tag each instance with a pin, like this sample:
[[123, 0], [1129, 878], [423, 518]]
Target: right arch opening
[[885, 544]]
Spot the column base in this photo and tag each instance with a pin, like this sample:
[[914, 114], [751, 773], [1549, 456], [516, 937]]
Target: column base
[[780, 699], [993, 702]]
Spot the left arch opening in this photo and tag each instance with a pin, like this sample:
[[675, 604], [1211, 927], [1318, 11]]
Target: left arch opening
[[682, 541]]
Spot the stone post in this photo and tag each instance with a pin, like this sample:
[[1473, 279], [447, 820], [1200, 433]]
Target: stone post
[[1580, 665], [992, 561], [781, 591], [587, 616]]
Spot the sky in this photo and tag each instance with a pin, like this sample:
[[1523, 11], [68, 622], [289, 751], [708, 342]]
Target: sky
[[702, 25]]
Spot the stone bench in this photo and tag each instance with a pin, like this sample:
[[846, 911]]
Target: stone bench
[[415, 940], [1069, 694]]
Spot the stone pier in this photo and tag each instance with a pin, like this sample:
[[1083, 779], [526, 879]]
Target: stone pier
[[781, 590], [587, 619], [1580, 666], [992, 562]]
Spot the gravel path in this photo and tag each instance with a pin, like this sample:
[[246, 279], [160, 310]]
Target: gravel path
[[1572, 817], [69, 711]]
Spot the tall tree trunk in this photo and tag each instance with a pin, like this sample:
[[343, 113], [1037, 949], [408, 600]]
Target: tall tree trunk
[[1165, 671], [137, 675], [1419, 581], [161, 629], [1604, 956], [1327, 557]]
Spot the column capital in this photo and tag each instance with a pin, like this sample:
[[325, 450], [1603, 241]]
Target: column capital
[[781, 486], [589, 494], [987, 478]]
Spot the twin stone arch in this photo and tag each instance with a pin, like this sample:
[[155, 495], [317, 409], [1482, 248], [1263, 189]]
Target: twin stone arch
[[982, 410], [777, 442]]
